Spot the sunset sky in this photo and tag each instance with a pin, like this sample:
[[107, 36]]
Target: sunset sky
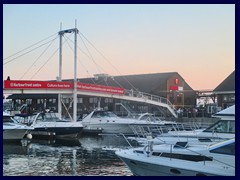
[[197, 41]]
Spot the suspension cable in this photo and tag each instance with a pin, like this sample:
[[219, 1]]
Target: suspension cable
[[26, 53], [29, 47], [109, 62], [79, 60], [45, 63], [47, 60], [38, 58], [98, 67], [91, 57]]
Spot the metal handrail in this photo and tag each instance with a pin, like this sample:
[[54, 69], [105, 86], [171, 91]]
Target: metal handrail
[[148, 146], [151, 97]]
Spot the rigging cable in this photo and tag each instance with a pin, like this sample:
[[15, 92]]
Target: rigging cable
[[99, 66], [38, 58], [91, 57], [44, 64], [29, 47], [46, 61], [108, 61], [26, 53], [79, 60]]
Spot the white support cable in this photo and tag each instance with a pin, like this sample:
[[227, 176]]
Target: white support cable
[[81, 49], [79, 60], [91, 57], [46, 62], [37, 59], [29, 47], [98, 67], [108, 61], [117, 83], [25, 53]]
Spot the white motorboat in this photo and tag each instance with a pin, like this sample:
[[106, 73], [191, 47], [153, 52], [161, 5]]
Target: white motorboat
[[12, 130], [48, 124], [110, 123], [222, 130], [227, 114], [181, 159]]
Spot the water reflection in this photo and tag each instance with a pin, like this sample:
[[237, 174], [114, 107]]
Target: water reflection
[[92, 156]]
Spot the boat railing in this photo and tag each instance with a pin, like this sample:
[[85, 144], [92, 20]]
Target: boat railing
[[148, 151], [157, 130], [146, 130], [126, 139], [190, 126]]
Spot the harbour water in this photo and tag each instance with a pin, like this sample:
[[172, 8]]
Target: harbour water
[[86, 156]]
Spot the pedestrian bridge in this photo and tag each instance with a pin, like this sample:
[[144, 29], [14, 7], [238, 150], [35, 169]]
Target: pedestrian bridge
[[48, 87]]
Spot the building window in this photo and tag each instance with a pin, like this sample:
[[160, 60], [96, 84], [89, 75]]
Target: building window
[[28, 101], [67, 100], [79, 100], [142, 108], [18, 101], [225, 98], [54, 109], [179, 99], [52, 100], [40, 101], [90, 100], [93, 100], [229, 98], [108, 100]]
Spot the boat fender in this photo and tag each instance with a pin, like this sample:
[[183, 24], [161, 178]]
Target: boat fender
[[29, 136]]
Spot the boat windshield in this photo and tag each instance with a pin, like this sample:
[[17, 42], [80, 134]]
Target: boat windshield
[[147, 117], [222, 126], [98, 114], [228, 149]]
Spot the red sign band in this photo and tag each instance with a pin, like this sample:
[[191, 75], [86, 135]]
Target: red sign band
[[18, 84]]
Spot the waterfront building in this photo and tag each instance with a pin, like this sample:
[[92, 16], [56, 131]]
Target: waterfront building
[[169, 85], [225, 92]]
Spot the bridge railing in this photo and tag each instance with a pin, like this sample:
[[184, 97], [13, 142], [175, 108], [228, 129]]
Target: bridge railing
[[148, 96]]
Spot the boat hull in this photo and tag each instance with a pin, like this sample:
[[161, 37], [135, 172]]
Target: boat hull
[[58, 132], [142, 165], [14, 134], [108, 128]]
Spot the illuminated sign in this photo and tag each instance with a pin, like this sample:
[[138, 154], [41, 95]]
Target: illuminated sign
[[99, 88], [18, 84], [176, 88], [176, 81]]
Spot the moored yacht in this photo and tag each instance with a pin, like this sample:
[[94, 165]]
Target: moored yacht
[[110, 123], [222, 130], [181, 159], [13, 131], [48, 124]]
